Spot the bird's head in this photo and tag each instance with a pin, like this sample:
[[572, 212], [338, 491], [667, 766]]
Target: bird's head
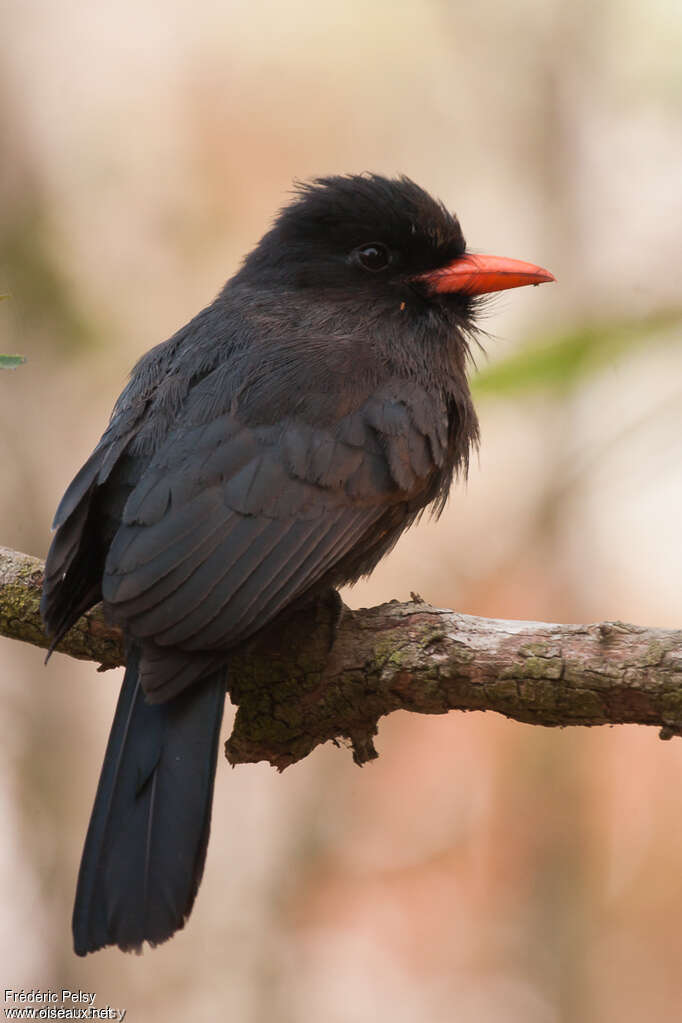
[[368, 273], [380, 239]]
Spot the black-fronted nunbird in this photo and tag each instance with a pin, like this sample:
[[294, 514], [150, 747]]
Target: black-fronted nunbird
[[276, 446]]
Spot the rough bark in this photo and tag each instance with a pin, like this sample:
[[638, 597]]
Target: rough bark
[[296, 688]]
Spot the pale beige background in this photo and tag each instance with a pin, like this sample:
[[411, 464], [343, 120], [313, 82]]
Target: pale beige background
[[480, 870]]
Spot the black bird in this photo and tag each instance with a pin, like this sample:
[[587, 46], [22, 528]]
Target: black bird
[[274, 447]]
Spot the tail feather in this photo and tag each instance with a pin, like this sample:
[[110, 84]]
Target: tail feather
[[146, 845]]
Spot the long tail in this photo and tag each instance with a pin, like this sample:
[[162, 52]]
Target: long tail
[[146, 845]]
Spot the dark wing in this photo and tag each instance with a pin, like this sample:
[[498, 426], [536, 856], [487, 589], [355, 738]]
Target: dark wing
[[230, 524], [73, 567], [90, 511]]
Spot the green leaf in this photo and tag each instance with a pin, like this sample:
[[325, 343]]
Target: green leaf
[[560, 362], [11, 361]]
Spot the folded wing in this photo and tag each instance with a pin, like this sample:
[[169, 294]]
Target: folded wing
[[231, 523]]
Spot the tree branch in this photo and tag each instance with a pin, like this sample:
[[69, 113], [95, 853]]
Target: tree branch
[[297, 689]]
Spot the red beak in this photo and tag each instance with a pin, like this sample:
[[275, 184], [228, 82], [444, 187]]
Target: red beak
[[479, 275]]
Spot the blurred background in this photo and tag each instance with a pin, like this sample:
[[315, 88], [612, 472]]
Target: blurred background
[[480, 870]]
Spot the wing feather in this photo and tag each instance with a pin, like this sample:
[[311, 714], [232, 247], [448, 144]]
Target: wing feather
[[247, 608], [214, 587], [297, 576]]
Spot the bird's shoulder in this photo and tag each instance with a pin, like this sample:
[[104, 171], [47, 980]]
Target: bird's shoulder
[[326, 450]]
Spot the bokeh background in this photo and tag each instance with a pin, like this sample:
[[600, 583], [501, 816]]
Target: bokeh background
[[481, 870]]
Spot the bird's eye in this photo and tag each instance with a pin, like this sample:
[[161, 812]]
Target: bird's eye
[[373, 257]]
